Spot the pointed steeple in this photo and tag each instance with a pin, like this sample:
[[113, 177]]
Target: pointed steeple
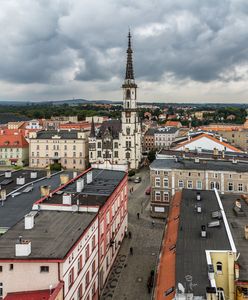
[[92, 130], [129, 65]]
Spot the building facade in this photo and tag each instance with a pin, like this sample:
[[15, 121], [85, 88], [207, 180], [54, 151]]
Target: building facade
[[119, 141], [14, 150], [164, 137], [168, 175], [69, 148]]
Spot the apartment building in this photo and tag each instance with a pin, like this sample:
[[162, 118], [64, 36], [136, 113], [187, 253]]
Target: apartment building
[[69, 148], [168, 175], [164, 137], [14, 150], [69, 241]]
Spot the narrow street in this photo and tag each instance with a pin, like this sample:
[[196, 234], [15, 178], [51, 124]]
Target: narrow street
[[128, 279]]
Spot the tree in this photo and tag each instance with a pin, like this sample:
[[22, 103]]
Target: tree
[[151, 155]]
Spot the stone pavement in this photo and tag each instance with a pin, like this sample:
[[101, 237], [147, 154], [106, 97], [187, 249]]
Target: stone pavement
[[129, 275]]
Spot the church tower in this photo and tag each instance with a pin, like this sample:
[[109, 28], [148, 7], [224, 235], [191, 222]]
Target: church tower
[[131, 127]]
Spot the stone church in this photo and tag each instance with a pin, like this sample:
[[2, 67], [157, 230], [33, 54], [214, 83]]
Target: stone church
[[119, 141]]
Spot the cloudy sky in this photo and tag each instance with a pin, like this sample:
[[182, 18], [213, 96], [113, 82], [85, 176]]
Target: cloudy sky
[[184, 50]]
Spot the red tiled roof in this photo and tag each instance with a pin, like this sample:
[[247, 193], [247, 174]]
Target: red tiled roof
[[32, 295], [211, 138], [166, 276], [36, 295], [173, 123], [13, 141]]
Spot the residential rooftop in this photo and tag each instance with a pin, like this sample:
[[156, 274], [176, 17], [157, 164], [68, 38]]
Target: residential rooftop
[[62, 134], [14, 208], [237, 224], [180, 163], [94, 193], [190, 246], [52, 237]]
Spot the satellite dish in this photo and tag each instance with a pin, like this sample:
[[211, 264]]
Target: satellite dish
[[74, 208], [181, 288]]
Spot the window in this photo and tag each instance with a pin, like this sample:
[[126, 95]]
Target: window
[[93, 242], [99, 145], [80, 291], [93, 267], [127, 155], [212, 185], [198, 185], [190, 184], [71, 277], [44, 269], [1, 268], [1, 289], [219, 267], [87, 252], [157, 172], [128, 131], [11, 267], [107, 218], [166, 197], [116, 154], [240, 187], [99, 153], [80, 263], [157, 196], [116, 144], [166, 182], [181, 184], [128, 144], [230, 186], [87, 279], [157, 182]]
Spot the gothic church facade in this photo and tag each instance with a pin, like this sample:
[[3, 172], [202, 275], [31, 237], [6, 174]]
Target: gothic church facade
[[119, 141]]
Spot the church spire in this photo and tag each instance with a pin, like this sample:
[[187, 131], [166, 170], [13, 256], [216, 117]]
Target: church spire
[[129, 65]]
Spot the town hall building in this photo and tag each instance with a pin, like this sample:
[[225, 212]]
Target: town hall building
[[119, 141]]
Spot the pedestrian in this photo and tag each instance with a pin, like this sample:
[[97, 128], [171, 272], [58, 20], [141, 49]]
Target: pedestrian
[[129, 234], [131, 250], [153, 223], [138, 216]]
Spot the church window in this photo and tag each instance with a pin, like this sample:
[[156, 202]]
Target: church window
[[116, 144], [128, 104], [116, 154], [128, 94], [128, 131], [99, 145], [99, 153]]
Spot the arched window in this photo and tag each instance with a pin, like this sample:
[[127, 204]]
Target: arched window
[[128, 130], [128, 104], [211, 185], [217, 185], [219, 267], [128, 94]]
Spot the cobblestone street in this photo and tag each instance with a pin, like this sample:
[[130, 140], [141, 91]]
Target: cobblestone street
[[128, 279]]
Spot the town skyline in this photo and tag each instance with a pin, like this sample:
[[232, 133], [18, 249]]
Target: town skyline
[[184, 53]]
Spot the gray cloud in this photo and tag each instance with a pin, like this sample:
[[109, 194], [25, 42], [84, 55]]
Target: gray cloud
[[64, 41]]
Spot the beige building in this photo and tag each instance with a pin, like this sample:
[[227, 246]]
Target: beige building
[[13, 150], [69, 148], [168, 175]]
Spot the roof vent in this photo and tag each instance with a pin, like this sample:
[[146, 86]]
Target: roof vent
[[23, 248], [234, 161], [45, 190], [203, 231], [20, 180], [64, 178], [29, 221], [214, 224], [80, 185], [89, 177], [33, 174], [197, 160], [7, 174], [198, 196], [67, 199]]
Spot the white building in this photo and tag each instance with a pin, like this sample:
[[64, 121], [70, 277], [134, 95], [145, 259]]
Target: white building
[[119, 141], [165, 136]]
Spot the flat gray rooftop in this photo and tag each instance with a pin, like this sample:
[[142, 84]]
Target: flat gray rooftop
[[15, 208], [190, 248], [95, 193], [237, 225], [186, 164], [53, 235]]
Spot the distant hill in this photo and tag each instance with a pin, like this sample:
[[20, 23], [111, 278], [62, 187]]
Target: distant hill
[[56, 102]]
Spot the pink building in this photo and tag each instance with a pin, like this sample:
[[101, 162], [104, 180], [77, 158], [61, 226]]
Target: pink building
[[68, 243]]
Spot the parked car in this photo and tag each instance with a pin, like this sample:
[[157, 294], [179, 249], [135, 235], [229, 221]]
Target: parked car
[[148, 190], [137, 179]]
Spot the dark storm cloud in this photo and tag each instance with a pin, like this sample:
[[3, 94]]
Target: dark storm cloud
[[51, 41]]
